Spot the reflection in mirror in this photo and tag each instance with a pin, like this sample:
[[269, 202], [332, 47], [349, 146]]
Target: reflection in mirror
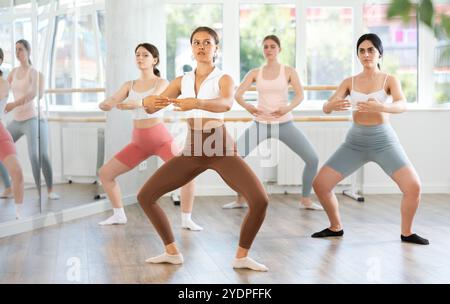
[[19, 168], [72, 130]]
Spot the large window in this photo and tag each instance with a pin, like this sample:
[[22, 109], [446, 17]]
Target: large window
[[5, 44], [329, 51], [182, 19], [400, 46], [442, 61], [63, 58], [260, 20]]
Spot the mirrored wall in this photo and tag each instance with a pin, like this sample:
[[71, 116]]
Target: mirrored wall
[[53, 81]]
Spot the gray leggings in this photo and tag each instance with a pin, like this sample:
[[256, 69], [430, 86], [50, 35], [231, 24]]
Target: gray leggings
[[292, 137], [29, 128]]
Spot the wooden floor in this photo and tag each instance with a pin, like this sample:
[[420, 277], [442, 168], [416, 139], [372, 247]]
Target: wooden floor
[[370, 251], [72, 195]]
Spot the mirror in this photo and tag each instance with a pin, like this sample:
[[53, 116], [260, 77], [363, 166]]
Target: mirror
[[71, 127]]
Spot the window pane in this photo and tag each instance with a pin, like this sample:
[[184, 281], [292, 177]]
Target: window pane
[[22, 6], [182, 19], [42, 36], [62, 64], [23, 30], [442, 61], [399, 43], [329, 56], [260, 20], [87, 58], [5, 44], [101, 28], [43, 6]]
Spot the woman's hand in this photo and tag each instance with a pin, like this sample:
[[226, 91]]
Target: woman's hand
[[105, 106], [154, 103], [253, 110], [371, 105], [283, 110], [184, 104], [338, 105], [9, 107]]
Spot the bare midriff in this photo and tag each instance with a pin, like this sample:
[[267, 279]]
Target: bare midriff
[[370, 119], [146, 123], [204, 123]]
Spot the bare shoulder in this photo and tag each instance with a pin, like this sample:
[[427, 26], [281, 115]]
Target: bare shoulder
[[162, 81], [226, 79]]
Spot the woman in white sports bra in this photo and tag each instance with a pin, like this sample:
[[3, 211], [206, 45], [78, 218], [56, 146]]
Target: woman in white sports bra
[[150, 136], [374, 95]]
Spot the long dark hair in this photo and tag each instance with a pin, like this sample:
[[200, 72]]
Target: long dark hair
[[2, 56], [27, 46], [155, 53], [376, 41]]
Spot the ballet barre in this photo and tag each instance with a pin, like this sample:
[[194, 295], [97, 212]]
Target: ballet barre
[[307, 88], [74, 90], [296, 119], [77, 119]]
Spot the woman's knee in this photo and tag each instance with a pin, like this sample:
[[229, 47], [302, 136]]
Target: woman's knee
[[313, 161], [320, 186], [259, 202], [16, 174], [414, 189]]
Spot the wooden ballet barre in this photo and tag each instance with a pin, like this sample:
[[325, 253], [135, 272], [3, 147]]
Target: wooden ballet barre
[[102, 90], [77, 119], [296, 119], [75, 90], [307, 88]]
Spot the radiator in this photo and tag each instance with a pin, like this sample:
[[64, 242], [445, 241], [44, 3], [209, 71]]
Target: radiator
[[80, 151], [325, 138]]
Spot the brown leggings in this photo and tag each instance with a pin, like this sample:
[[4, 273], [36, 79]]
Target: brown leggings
[[182, 169]]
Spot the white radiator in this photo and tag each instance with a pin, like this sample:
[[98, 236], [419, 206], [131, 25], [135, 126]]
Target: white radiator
[[325, 137], [79, 151]]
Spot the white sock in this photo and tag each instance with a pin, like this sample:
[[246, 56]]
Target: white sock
[[119, 212], [234, 205], [18, 210], [53, 196], [188, 223], [118, 217], [166, 258], [249, 263]]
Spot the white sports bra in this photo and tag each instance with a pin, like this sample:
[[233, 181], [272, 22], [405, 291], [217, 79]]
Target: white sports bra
[[209, 89], [139, 113], [379, 95]]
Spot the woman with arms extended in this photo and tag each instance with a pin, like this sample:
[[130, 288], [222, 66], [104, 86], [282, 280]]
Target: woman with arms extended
[[205, 93], [371, 138], [273, 117], [150, 136]]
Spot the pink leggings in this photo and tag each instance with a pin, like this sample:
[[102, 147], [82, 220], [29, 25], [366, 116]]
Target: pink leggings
[[7, 146], [146, 142]]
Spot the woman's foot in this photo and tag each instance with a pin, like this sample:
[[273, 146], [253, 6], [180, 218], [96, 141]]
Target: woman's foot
[[118, 218], [235, 205], [188, 223], [310, 206], [175, 259], [7, 193], [415, 239], [248, 263], [328, 233], [53, 196]]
